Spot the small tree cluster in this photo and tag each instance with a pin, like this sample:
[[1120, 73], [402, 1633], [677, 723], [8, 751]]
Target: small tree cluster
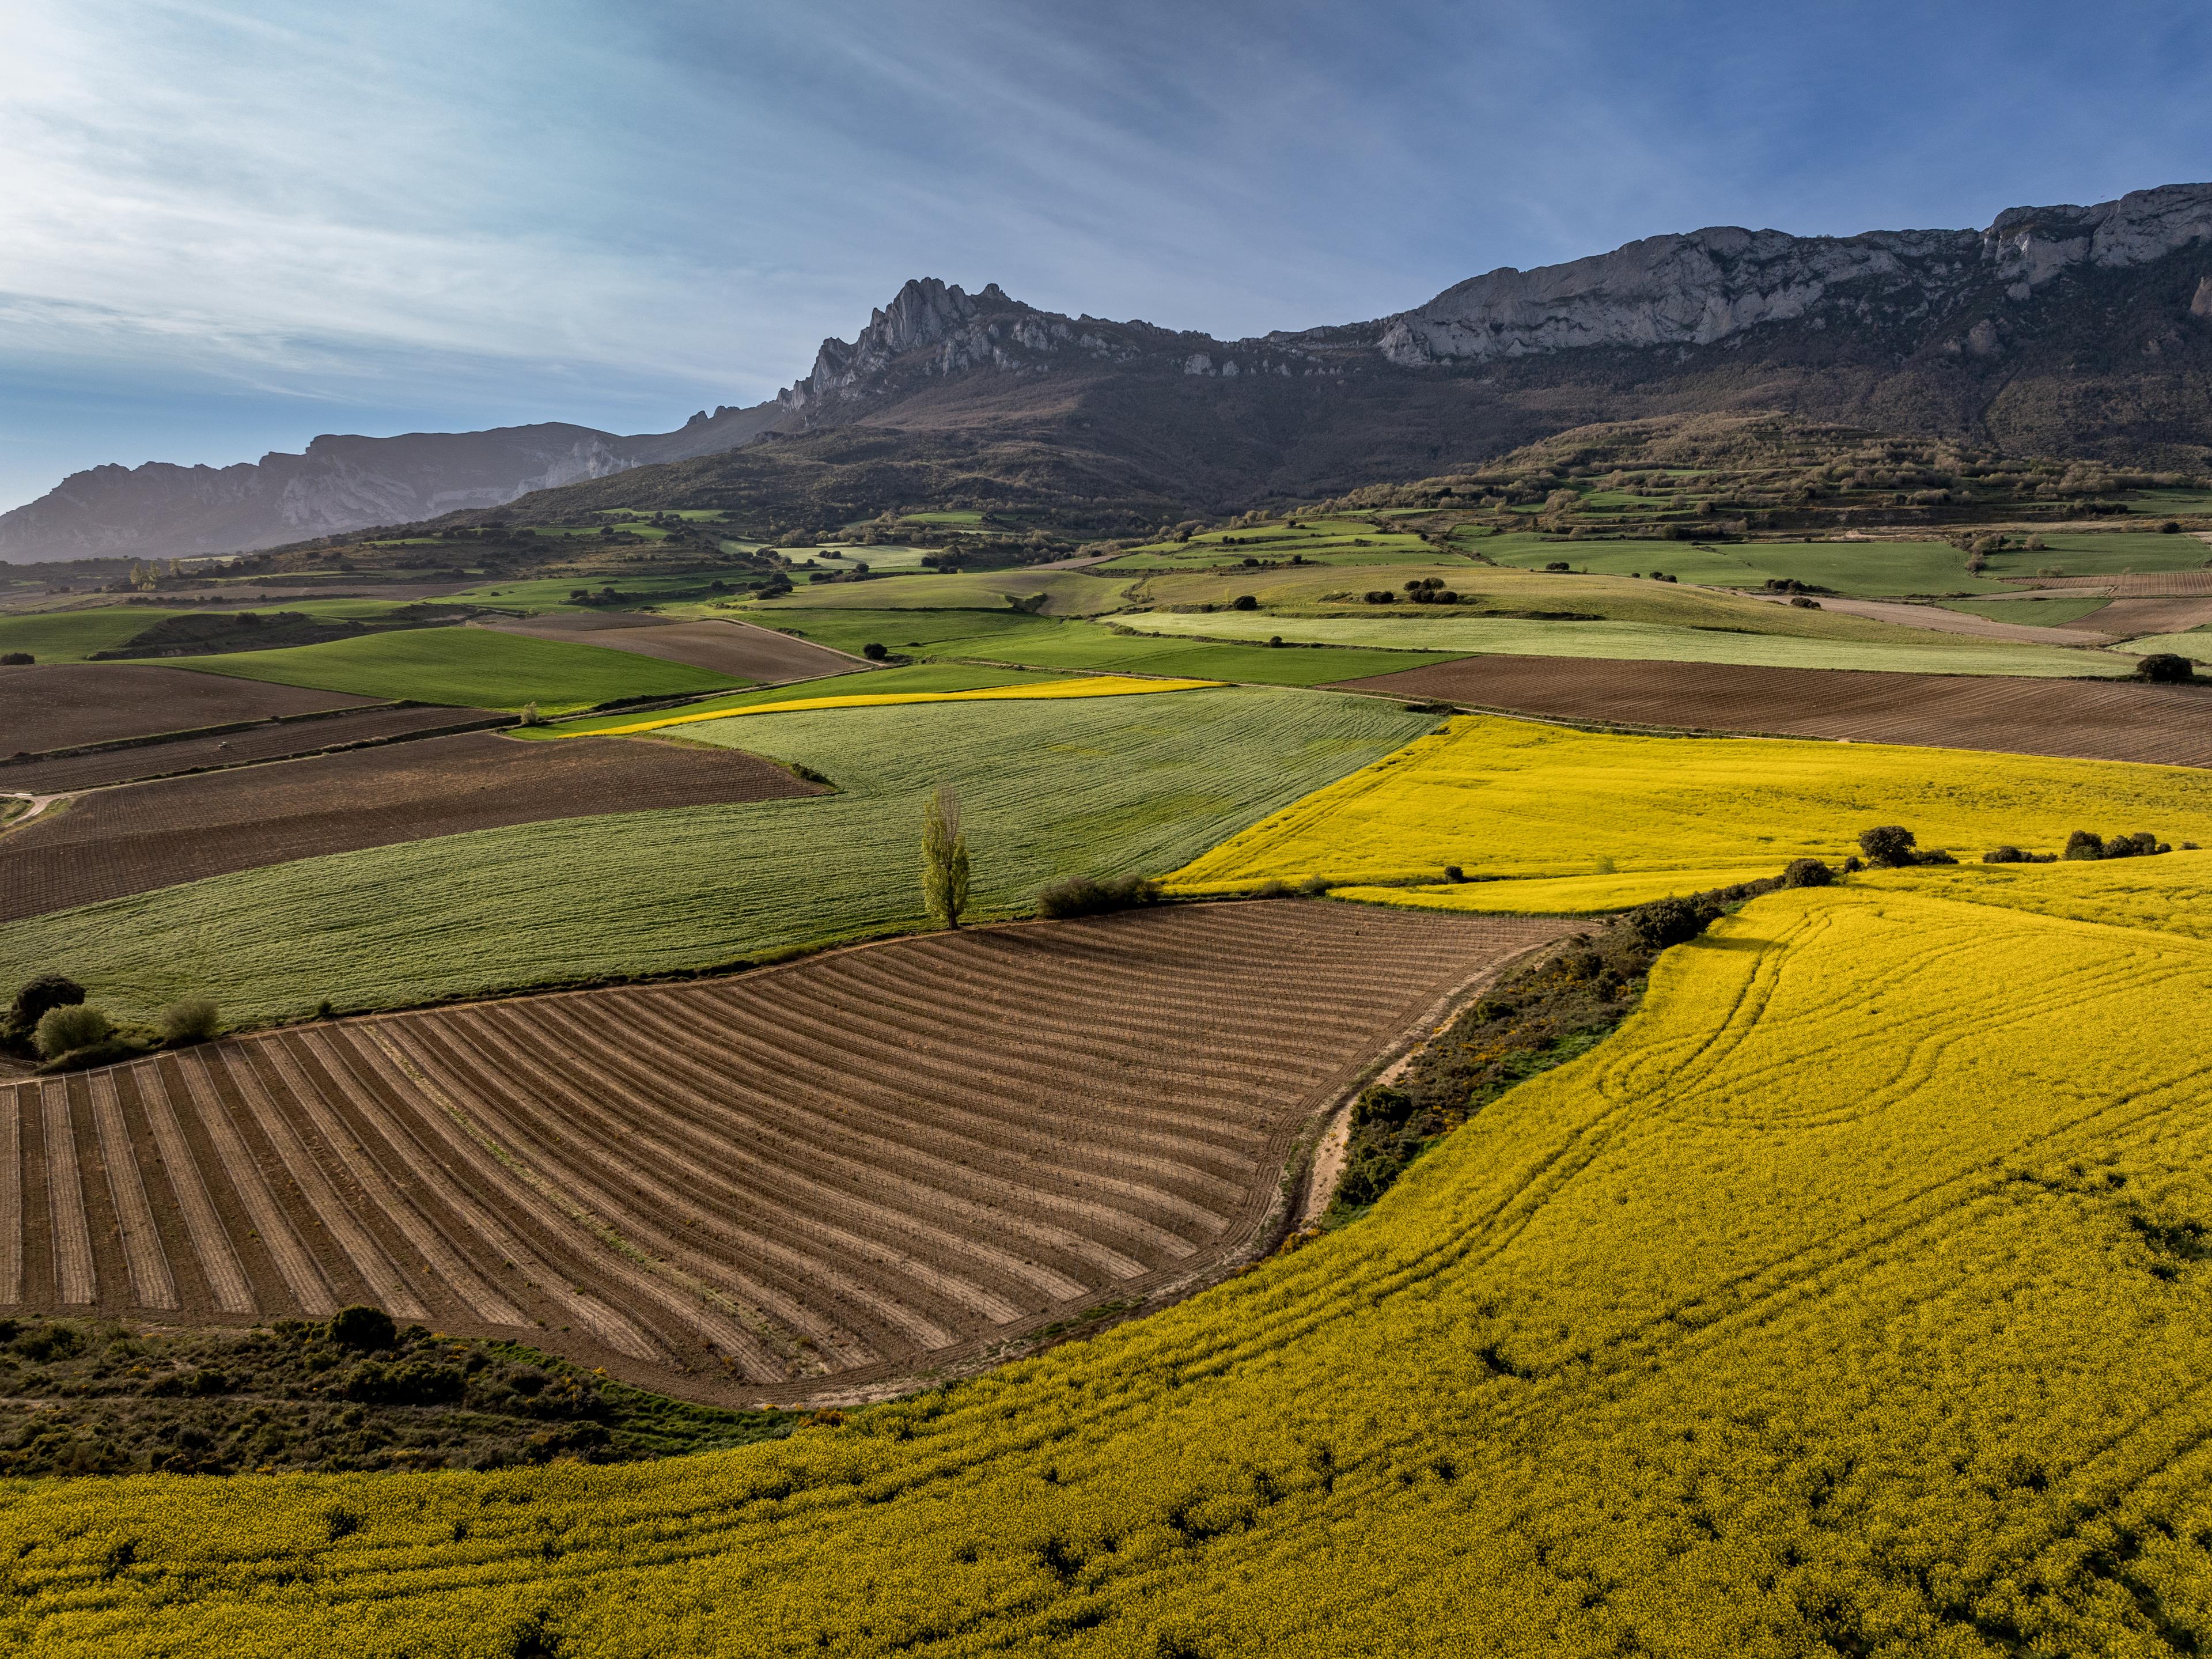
[[2087, 844], [1087, 896]]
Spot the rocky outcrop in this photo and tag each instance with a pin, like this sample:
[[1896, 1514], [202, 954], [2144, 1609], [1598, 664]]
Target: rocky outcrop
[[1710, 285]]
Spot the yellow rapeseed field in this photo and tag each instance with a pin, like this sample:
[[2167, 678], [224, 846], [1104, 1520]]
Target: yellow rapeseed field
[[1559, 896], [2169, 894], [1852, 1298], [1502, 798], [1096, 686]]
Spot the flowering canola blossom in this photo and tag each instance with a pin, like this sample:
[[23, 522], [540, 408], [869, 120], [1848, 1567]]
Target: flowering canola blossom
[[1852, 1297], [1512, 798]]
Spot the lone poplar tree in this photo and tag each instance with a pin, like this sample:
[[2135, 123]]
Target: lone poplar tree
[[944, 859]]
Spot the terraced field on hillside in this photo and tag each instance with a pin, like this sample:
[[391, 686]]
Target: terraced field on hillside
[[825, 1170]]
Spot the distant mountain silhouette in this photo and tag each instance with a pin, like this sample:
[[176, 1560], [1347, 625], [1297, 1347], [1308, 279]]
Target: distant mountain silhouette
[[2059, 331]]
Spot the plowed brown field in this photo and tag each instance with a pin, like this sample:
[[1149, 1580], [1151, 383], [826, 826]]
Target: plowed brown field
[[2139, 585], [274, 741], [738, 649], [2092, 720], [57, 705], [144, 835], [2175, 613], [846, 1168]]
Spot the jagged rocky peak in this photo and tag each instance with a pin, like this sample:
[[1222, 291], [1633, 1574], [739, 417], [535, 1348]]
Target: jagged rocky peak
[[959, 331], [1704, 286]]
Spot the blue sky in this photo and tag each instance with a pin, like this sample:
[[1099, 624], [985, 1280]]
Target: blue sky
[[227, 228]]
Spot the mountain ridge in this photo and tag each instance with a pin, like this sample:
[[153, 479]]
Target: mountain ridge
[[2057, 329]]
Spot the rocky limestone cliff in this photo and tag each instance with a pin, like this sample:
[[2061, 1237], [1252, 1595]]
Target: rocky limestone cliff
[[1709, 285]]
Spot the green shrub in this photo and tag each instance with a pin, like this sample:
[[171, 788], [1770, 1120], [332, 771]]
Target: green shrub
[[364, 1327], [2084, 844], [1888, 847], [1807, 872], [73, 1026], [1667, 921], [16, 659], [1084, 896], [875, 651], [1382, 1104], [2165, 668], [37, 995], [1244, 602], [190, 1019]]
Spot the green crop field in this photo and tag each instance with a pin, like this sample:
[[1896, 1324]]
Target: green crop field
[[2195, 645], [471, 667], [1066, 592], [1904, 651], [1324, 541], [551, 592], [2104, 553], [1043, 642], [74, 635], [1855, 569], [1844, 1301], [914, 677], [1051, 789], [2035, 612]]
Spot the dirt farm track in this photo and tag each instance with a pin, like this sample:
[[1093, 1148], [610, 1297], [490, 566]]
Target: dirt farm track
[[853, 1166], [2089, 720]]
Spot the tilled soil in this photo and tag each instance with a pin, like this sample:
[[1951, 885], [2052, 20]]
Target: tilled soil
[[274, 741], [2092, 720], [738, 649], [2142, 584], [144, 835], [59, 705], [2125, 619], [853, 1167]]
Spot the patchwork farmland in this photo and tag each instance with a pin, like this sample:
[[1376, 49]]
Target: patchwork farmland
[[830, 1170]]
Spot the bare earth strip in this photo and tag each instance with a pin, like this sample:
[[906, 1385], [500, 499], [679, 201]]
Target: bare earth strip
[[738, 649], [2090, 720], [2145, 583], [804, 1181], [279, 741], [145, 836], [57, 705], [2125, 619], [1937, 620]]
